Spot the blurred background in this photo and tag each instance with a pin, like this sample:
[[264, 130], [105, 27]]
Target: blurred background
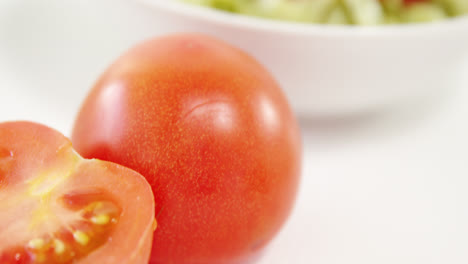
[[387, 185]]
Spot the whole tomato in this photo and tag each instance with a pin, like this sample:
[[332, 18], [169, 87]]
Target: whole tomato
[[214, 136]]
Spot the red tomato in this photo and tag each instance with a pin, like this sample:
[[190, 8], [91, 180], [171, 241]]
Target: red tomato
[[212, 133], [56, 207]]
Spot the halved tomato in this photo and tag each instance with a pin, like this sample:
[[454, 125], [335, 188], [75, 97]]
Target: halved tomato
[[56, 207]]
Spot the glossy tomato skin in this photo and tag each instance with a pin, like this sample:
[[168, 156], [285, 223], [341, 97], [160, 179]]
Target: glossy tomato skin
[[56, 207], [213, 134]]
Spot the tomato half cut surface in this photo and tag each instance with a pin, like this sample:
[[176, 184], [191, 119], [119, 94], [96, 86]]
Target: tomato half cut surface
[[56, 207]]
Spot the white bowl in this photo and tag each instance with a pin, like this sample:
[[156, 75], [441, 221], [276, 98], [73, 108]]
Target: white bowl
[[329, 70]]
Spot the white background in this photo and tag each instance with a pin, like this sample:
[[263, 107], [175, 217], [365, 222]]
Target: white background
[[383, 187]]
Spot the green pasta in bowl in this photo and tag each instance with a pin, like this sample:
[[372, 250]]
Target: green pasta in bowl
[[354, 12]]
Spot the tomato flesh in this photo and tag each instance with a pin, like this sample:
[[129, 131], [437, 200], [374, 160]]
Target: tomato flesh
[[95, 222], [56, 207]]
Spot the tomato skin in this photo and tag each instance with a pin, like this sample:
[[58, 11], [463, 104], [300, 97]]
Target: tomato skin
[[48, 192], [212, 133]]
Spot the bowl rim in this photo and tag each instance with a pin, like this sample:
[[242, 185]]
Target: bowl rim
[[286, 27]]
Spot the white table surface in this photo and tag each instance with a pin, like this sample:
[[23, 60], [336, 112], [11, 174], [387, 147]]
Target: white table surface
[[384, 187]]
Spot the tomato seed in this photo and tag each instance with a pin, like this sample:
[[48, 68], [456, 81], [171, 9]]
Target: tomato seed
[[59, 246], [36, 243], [101, 219], [81, 237]]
